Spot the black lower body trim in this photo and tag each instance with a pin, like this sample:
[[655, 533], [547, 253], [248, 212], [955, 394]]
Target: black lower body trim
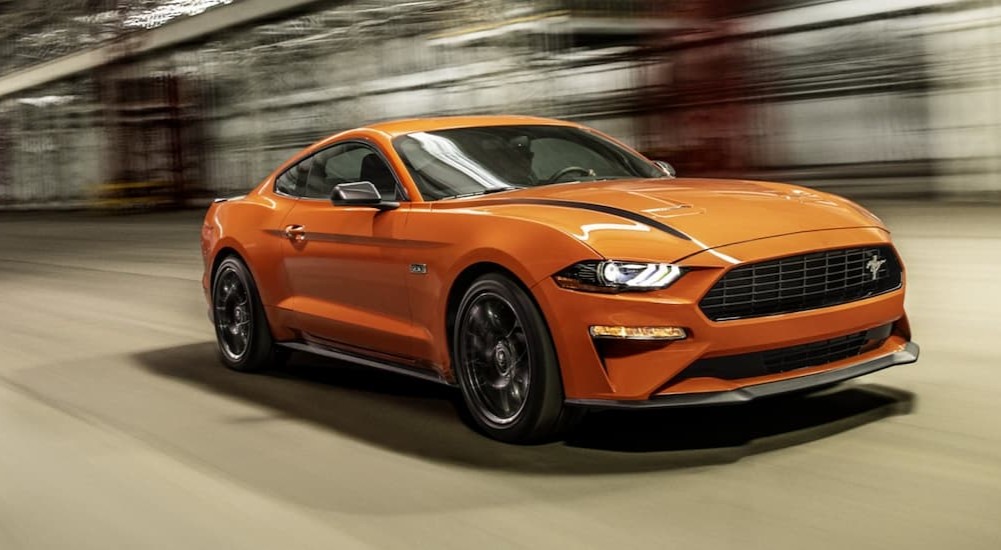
[[424, 374], [774, 361], [749, 393]]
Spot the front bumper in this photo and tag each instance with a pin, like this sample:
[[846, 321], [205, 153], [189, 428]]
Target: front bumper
[[602, 373], [908, 354]]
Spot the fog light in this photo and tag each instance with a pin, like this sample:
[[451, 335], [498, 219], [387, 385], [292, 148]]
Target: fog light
[[639, 333]]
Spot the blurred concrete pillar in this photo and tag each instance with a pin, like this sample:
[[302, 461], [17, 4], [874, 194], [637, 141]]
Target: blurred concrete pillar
[[699, 116], [6, 156], [965, 103]]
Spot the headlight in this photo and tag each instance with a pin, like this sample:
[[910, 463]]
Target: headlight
[[616, 276]]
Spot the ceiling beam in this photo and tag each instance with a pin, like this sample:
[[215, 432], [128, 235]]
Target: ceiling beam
[[136, 43]]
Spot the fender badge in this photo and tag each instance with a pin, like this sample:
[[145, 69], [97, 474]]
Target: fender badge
[[419, 269]]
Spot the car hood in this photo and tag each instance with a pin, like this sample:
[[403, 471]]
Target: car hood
[[681, 216]]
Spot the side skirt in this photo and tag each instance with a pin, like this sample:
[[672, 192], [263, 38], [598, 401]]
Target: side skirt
[[358, 359]]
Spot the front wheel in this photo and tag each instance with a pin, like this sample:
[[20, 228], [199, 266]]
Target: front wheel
[[506, 364], [242, 332]]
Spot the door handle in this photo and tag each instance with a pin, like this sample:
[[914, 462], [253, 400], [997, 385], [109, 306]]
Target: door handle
[[295, 233]]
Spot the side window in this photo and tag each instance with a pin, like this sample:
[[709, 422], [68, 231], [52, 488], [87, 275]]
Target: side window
[[349, 163], [293, 181]]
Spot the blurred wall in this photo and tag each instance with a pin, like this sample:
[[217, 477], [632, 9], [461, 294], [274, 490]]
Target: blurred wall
[[867, 98]]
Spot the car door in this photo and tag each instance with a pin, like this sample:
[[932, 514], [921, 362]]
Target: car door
[[345, 266]]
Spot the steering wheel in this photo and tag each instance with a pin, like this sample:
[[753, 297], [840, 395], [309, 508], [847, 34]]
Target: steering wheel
[[569, 170]]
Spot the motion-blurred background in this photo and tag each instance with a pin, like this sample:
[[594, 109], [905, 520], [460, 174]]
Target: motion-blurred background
[[120, 429], [148, 103]]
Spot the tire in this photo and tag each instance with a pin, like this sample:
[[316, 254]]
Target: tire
[[507, 368], [243, 337]]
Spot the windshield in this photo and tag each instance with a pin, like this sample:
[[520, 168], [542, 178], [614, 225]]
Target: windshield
[[473, 161]]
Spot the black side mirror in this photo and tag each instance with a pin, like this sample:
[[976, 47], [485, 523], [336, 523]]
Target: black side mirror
[[361, 193], [665, 167]]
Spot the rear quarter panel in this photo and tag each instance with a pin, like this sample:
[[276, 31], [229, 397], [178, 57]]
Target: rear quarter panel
[[250, 227]]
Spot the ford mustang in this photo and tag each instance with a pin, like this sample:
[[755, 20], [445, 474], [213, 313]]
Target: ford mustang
[[545, 268]]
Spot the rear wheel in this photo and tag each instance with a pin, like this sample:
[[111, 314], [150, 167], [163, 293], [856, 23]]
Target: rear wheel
[[242, 332], [506, 364]]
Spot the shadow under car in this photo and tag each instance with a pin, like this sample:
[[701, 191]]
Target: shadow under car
[[427, 420]]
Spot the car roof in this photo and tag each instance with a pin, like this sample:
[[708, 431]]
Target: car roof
[[401, 127]]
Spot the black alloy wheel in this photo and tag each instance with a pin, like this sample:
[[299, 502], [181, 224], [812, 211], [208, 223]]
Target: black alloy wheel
[[242, 333], [506, 364]]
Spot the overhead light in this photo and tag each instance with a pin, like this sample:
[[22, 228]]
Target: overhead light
[[171, 9], [47, 100]]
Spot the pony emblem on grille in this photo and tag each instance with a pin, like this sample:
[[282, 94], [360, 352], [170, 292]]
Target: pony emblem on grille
[[873, 266]]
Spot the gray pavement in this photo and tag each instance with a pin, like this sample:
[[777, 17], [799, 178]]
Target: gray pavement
[[120, 430]]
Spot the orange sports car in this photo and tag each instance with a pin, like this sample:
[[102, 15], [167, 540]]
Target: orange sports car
[[545, 268]]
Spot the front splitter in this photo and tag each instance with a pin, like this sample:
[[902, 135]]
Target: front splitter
[[768, 389]]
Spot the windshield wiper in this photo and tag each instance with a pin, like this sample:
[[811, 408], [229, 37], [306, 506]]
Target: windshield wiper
[[484, 192]]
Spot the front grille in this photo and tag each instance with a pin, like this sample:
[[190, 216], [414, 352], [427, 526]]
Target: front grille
[[799, 283], [814, 354]]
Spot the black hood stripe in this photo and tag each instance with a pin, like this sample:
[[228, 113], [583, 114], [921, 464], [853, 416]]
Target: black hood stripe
[[633, 216]]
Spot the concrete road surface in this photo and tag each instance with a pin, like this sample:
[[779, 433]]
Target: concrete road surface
[[118, 428]]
